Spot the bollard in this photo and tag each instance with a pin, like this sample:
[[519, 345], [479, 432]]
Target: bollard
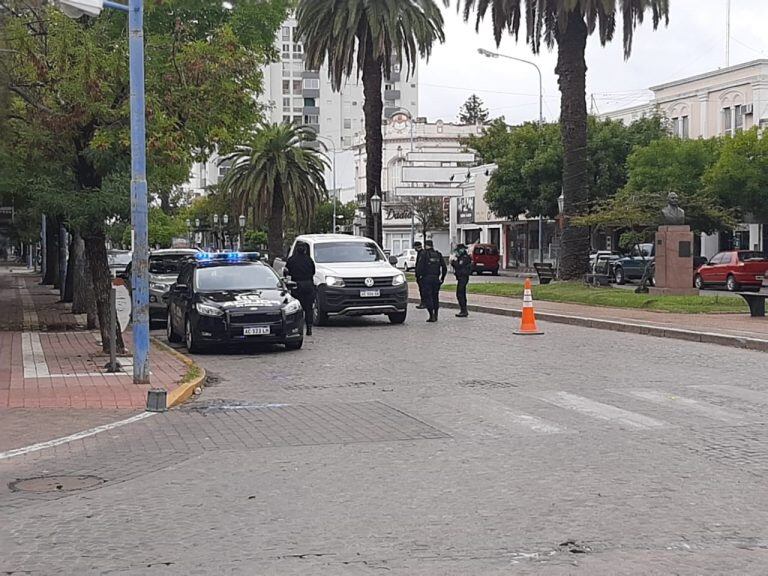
[[157, 400]]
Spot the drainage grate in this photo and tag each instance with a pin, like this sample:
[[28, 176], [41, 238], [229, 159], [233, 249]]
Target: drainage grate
[[43, 484], [486, 384]]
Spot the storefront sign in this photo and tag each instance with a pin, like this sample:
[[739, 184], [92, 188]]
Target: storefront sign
[[397, 212]]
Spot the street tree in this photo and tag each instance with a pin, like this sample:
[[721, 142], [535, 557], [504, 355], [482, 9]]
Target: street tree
[[368, 38], [428, 213], [567, 24], [278, 171], [69, 87], [323, 221], [473, 111]]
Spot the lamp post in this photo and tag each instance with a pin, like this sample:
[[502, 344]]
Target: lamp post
[[489, 54], [376, 211], [216, 231], [139, 219], [189, 231], [225, 226], [241, 221]]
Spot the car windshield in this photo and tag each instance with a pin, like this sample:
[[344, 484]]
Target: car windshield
[[166, 264], [119, 258], [752, 256], [236, 277], [347, 252]]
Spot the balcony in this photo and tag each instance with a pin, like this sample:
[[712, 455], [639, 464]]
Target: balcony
[[391, 94], [311, 110], [310, 74], [310, 92]]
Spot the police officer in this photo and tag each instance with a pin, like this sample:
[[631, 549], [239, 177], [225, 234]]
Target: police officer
[[301, 269], [419, 253], [432, 270], [462, 269]]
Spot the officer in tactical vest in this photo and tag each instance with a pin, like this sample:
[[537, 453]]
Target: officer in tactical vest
[[432, 270], [462, 269]]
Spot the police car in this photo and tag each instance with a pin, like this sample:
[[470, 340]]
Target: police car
[[232, 298]]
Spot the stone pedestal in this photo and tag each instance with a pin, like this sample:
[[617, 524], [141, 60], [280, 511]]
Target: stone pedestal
[[674, 261]]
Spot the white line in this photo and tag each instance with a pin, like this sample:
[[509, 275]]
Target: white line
[[737, 392], [703, 408], [73, 437], [600, 411], [500, 414], [32, 356]]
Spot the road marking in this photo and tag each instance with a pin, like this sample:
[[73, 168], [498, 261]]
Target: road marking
[[600, 411], [73, 437], [500, 414], [737, 392], [703, 408], [33, 358]]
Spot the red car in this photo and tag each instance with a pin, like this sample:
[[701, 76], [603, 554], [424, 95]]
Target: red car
[[485, 258], [735, 269]]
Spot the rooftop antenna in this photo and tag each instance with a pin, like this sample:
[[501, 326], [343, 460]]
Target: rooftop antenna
[[728, 34]]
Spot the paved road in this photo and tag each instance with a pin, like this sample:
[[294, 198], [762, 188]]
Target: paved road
[[453, 449]]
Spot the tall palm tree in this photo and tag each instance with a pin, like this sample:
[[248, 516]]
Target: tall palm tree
[[568, 23], [276, 171], [368, 37]]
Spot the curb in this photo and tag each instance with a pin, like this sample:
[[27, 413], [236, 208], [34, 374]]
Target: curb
[[742, 342], [185, 390]]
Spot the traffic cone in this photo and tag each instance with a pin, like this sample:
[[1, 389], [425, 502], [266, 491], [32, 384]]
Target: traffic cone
[[528, 323]]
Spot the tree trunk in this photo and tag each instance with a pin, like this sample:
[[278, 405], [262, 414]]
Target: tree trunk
[[572, 74], [79, 281], [96, 253], [372, 107], [69, 282], [92, 314], [51, 273], [165, 201], [275, 223]]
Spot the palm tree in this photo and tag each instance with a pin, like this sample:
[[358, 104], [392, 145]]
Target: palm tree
[[276, 171], [368, 37], [568, 23]]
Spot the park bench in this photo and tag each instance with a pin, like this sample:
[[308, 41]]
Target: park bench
[[756, 301], [545, 271]]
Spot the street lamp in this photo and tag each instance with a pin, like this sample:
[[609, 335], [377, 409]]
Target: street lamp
[[189, 231], [241, 221], [139, 220], [225, 220], [375, 211], [216, 229], [489, 54]]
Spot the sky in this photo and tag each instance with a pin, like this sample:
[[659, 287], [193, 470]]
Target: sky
[[693, 43]]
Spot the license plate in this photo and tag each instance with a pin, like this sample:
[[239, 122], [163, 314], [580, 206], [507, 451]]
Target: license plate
[[760, 277], [370, 293], [256, 331]]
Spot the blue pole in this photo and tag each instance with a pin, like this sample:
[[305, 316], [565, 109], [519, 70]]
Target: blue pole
[[139, 225]]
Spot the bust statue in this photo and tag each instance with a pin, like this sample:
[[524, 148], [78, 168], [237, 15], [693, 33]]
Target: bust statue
[[672, 212]]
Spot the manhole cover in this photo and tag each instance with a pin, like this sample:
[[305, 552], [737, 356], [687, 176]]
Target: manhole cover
[[42, 484]]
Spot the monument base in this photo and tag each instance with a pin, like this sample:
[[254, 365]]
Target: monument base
[[673, 291]]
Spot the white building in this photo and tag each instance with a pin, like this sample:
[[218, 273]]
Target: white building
[[716, 103], [399, 229]]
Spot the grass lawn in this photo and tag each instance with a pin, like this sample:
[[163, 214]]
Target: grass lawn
[[578, 293]]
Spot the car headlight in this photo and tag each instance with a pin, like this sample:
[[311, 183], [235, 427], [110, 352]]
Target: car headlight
[[207, 310], [333, 281], [159, 286], [292, 307], [398, 280]]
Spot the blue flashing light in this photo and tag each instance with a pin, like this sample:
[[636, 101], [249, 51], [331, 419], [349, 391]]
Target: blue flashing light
[[228, 256]]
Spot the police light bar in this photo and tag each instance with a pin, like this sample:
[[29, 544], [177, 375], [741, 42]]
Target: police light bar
[[228, 256]]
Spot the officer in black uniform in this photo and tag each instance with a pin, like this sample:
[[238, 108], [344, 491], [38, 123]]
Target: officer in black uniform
[[462, 269], [301, 269], [419, 253], [432, 270]]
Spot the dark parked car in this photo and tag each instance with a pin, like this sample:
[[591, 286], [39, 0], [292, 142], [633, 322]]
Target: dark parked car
[[632, 266], [232, 299]]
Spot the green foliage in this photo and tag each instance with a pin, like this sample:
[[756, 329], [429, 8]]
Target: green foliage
[[253, 240], [428, 213], [493, 144], [739, 177], [473, 111], [323, 221]]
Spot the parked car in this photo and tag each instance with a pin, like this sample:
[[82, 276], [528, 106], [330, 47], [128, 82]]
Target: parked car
[[353, 278], [485, 258], [164, 267], [118, 261], [632, 266], [602, 261], [734, 269], [232, 299], [407, 260]]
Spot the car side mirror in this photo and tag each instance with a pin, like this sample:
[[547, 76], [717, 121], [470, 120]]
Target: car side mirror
[[393, 260]]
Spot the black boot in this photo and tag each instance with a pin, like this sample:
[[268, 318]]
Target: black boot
[[420, 307], [432, 316], [462, 314], [435, 316], [309, 330]]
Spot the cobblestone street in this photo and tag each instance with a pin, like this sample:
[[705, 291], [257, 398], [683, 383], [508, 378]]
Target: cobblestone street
[[448, 449]]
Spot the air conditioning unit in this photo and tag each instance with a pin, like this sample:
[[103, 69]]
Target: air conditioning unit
[[748, 108]]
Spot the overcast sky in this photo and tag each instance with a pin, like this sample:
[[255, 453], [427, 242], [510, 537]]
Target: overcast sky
[[694, 42]]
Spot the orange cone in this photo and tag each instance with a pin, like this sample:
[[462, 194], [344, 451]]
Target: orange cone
[[528, 323]]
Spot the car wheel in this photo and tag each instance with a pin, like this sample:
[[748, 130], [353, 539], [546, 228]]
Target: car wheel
[[698, 282], [170, 333], [397, 318], [618, 273], [495, 272], [320, 318], [731, 284], [192, 339], [294, 344]]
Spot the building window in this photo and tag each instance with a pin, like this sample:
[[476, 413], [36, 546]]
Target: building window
[[297, 119], [297, 48], [354, 102], [286, 119], [286, 69], [389, 103], [286, 51], [298, 66], [309, 101], [684, 127], [298, 102], [286, 86], [727, 124], [286, 103], [311, 83], [738, 113], [286, 33], [297, 86], [389, 86], [347, 123], [311, 119]]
